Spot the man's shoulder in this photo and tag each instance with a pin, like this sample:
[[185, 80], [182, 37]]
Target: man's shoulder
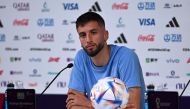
[[121, 49], [80, 55], [81, 52]]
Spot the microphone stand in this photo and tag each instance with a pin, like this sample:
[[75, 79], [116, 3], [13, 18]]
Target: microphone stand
[[68, 66], [180, 97], [185, 88]]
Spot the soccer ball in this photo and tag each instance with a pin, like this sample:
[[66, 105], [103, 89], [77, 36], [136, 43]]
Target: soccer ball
[[109, 93]]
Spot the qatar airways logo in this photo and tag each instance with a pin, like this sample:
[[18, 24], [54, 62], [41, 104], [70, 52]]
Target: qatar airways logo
[[121, 6], [21, 6], [146, 38], [23, 22], [46, 37]]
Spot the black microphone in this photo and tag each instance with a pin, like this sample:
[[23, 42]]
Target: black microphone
[[68, 66]]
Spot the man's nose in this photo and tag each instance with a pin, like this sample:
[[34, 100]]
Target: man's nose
[[88, 38]]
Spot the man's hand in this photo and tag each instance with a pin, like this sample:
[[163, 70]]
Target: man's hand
[[134, 98], [77, 99], [130, 106]]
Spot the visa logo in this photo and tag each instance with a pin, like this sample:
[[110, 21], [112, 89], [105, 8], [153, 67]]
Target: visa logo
[[147, 22], [70, 6]]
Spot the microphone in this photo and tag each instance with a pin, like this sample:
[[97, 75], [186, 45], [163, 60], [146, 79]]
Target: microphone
[[68, 66]]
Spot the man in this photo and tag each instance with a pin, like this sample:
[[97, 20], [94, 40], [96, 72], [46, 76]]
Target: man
[[97, 60]]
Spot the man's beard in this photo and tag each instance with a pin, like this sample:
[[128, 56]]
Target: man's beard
[[93, 53]]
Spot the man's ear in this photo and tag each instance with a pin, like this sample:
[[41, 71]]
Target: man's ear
[[106, 35]]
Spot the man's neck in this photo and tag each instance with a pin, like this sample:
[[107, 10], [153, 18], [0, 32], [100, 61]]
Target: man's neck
[[102, 57]]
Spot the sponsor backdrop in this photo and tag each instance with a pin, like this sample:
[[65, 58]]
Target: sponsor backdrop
[[38, 39]]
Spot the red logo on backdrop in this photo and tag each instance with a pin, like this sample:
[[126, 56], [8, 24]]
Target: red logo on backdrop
[[51, 59], [34, 84], [148, 38], [122, 6], [23, 22], [188, 61], [1, 72]]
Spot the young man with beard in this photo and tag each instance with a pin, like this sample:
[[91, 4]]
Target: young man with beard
[[97, 60]]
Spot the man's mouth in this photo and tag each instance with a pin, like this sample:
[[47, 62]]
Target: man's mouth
[[90, 46]]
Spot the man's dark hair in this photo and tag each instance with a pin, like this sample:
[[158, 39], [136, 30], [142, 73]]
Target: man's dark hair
[[89, 16]]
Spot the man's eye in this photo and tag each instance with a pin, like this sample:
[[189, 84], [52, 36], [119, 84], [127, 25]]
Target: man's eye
[[93, 32], [82, 35]]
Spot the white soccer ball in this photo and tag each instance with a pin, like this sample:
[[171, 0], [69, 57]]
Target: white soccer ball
[[109, 93]]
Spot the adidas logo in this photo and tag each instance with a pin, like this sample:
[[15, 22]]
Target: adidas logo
[[173, 23], [1, 25], [95, 7], [121, 39]]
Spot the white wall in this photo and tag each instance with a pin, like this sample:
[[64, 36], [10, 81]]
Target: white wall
[[23, 23]]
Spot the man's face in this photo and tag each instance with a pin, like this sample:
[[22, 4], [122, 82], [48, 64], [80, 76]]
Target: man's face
[[92, 37]]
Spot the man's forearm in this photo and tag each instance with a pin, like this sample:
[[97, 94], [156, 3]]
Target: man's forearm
[[77, 100], [134, 97]]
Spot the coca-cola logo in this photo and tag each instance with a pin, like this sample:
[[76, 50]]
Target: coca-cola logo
[[32, 84], [1, 72], [122, 6], [188, 61], [149, 37], [23, 22]]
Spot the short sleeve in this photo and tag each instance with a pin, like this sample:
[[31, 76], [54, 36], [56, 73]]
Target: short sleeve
[[130, 69], [77, 78]]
